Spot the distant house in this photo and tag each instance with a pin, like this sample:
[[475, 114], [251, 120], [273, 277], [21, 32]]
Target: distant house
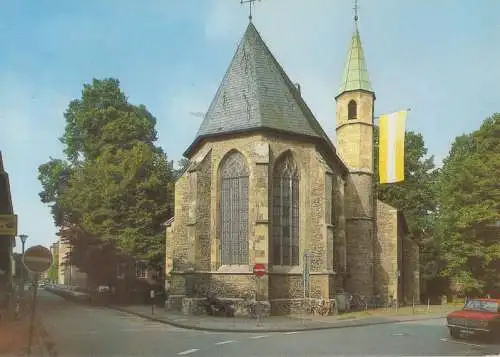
[[68, 274]]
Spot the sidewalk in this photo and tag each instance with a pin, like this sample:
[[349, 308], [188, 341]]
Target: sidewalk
[[285, 323], [273, 323], [14, 336]]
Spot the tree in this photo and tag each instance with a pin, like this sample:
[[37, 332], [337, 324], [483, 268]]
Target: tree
[[116, 187], [469, 207], [103, 117], [123, 197], [416, 197], [182, 166], [53, 273], [54, 175]]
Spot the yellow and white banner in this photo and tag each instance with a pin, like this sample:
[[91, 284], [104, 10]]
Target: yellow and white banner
[[392, 129]]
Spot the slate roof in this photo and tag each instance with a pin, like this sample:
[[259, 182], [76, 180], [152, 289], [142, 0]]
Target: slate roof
[[355, 76], [256, 93]]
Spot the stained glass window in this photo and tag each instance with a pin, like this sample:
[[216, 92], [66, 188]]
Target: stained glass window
[[234, 210], [285, 212]]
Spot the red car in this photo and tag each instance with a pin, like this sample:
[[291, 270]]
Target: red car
[[478, 317]]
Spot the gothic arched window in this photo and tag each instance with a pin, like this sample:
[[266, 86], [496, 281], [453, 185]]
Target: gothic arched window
[[285, 212], [352, 110], [234, 210]]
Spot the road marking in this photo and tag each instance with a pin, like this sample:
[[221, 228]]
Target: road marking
[[79, 333], [291, 333], [224, 342], [208, 332], [187, 352], [460, 342], [398, 334], [260, 336], [179, 320], [145, 328]]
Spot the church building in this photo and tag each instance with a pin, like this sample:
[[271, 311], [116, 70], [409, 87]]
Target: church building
[[266, 185]]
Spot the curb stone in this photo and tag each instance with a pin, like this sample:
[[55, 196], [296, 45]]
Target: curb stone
[[263, 330], [44, 342], [278, 330]]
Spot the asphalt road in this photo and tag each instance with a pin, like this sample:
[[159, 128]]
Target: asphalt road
[[79, 331]]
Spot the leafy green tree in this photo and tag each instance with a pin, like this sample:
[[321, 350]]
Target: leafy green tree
[[469, 209], [54, 175], [103, 117], [116, 187], [416, 194], [53, 272], [182, 166], [123, 197]]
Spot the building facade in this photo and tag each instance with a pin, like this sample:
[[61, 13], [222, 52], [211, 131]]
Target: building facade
[[266, 185], [68, 274], [7, 242]]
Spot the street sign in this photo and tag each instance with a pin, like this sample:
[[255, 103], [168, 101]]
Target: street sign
[[259, 270], [37, 259], [8, 225]]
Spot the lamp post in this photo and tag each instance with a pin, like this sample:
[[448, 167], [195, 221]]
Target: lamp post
[[23, 238]]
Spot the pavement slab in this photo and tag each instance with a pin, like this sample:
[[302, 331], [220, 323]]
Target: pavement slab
[[14, 337], [270, 324]]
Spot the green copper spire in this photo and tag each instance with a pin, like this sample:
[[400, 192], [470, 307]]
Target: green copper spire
[[355, 75]]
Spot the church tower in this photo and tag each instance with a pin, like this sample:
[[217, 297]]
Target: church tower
[[354, 131]]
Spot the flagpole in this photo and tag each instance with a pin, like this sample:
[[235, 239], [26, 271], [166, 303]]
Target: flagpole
[[378, 116]]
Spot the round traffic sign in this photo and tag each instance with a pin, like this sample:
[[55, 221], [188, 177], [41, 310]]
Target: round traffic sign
[[37, 259], [259, 270]]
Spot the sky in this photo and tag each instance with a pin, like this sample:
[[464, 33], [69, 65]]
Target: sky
[[439, 58]]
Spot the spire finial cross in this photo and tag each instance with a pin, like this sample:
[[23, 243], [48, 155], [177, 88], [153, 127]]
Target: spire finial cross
[[356, 8], [250, 4]]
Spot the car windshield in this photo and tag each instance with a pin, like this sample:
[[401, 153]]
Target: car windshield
[[479, 305]]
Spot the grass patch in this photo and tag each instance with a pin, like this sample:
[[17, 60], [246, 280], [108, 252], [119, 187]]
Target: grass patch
[[402, 311]]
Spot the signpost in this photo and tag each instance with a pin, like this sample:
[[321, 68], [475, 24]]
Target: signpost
[[152, 296], [259, 270], [8, 225], [306, 272], [37, 260]]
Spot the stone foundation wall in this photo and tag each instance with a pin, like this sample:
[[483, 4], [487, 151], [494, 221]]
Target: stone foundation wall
[[188, 291], [288, 286], [223, 285], [252, 308]]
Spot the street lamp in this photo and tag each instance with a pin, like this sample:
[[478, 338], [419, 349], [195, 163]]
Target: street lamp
[[23, 238]]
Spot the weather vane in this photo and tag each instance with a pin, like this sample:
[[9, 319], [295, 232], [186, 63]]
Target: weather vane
[[355, 8], [250, 4]]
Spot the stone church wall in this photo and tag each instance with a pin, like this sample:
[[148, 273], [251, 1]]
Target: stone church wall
[[411, 271], [286, 283], [203, 205], [193, 257], [386, 260]]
